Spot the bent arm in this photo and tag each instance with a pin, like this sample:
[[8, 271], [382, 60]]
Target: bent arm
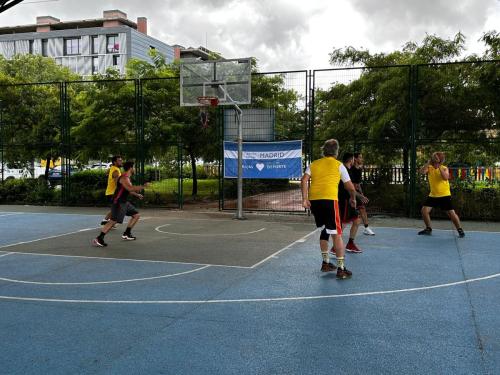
[[304, 185], [445, 173], [128, 185], [424, 169]]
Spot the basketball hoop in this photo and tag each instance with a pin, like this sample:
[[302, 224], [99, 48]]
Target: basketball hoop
[[206, 101]]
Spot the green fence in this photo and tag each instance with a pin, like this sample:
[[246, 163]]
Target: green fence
[[395, 115]]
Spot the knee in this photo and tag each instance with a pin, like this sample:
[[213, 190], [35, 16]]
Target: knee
[[137, 216]]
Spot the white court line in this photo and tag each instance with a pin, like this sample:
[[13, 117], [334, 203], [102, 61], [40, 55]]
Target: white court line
[[247, 300], [300, 240], [441, 230], [11, 214], [48, 238], [206, 234], [4, 255], [126, 259], [105, 282]]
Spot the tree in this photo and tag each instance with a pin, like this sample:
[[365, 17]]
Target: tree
[[456, 102], [31, 126]]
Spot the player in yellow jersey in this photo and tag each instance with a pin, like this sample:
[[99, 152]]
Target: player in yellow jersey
[[113, 175], [322, 198], [440, 195]]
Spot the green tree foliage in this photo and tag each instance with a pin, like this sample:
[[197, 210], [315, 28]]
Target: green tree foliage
[[31, 126], [457, 103]]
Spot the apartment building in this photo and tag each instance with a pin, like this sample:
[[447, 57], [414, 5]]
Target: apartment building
[[87, 46]]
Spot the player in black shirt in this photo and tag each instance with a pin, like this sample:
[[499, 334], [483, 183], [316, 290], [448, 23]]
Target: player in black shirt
[[356, 177]]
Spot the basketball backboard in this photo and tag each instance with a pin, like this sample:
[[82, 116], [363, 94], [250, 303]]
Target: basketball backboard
[[228, 80]]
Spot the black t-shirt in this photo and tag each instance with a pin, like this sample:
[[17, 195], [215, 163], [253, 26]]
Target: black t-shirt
[[355, 174], [121, 194]]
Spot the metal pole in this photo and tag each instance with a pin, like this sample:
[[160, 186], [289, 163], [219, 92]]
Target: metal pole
[[239, 115]]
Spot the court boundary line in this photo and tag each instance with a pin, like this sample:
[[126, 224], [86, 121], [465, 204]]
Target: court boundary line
[[442, 230], [128, 259], [250, 300], [104, 282], [4, 255], [207, 234], [300, 240]]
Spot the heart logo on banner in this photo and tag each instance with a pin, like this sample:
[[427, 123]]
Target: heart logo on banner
[[260, 166]]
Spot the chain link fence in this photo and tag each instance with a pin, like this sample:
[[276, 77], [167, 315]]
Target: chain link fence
[[56, 139]]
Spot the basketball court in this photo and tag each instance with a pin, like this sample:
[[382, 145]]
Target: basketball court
[[204, 293]]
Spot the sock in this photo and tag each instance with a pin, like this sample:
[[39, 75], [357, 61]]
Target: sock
[[101, 236], [325, 256], [366, 225], [340, 262], [429, 228], [127, 231], [351, 240]]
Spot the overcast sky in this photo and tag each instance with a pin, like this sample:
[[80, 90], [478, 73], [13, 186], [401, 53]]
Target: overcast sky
[[285, 34]]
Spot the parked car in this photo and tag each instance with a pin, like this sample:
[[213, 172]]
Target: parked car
[[14, 173], [55, 173]]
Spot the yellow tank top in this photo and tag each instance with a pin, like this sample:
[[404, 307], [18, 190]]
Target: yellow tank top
[[325, 178], [439, 186], [110, 190]]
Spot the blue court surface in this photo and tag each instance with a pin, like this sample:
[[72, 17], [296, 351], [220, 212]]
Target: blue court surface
[[211, 295]]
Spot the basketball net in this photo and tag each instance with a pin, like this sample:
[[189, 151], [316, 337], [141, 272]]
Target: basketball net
[[205, 102]]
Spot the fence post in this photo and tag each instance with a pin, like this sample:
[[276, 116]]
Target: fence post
[[413, 130], [139, 130], [180, 196]]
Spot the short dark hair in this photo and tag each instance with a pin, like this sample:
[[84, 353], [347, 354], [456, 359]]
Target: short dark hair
[[356, 154], [347, 156], [115, 158], [127, 165]]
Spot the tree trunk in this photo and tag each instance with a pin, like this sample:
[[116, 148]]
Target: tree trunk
[[47, 167], [195, 175]]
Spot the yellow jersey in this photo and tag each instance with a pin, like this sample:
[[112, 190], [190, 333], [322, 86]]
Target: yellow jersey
[[439, 186], [110, 190], [325, 177]]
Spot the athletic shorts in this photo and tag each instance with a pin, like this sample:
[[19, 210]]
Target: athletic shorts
[[326, 214], [109, 198], [443, 203], [348, 214], [120, 210]]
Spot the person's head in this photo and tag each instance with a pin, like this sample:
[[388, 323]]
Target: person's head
[[438, 157], [358, 158], [128, 166], [117, 161], [348, 159], [331, 148]]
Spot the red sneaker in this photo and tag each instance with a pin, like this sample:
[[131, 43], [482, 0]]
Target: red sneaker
[[332, 251], [352, 248]]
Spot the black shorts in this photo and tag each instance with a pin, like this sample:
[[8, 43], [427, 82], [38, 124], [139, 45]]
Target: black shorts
[[348, 214], [326, 213], [109, 198], [443, 203], [120, 210]]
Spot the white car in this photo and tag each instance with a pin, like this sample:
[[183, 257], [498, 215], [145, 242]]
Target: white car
[[14, 173]]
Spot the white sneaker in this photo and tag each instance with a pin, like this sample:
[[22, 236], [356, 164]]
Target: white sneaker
[[368, 232]]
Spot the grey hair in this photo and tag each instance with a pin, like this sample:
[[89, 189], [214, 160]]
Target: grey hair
[[331, 148]]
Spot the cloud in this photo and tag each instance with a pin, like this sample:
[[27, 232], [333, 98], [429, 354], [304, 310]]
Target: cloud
[[282, 34], [399, 21]]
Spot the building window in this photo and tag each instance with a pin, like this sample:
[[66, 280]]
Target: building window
[[45, 45], [95, 65], [95, 44], [71, 46], [116, 60], [31, 48], [112, 44]]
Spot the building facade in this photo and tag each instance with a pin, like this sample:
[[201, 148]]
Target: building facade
[[86, 47]]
